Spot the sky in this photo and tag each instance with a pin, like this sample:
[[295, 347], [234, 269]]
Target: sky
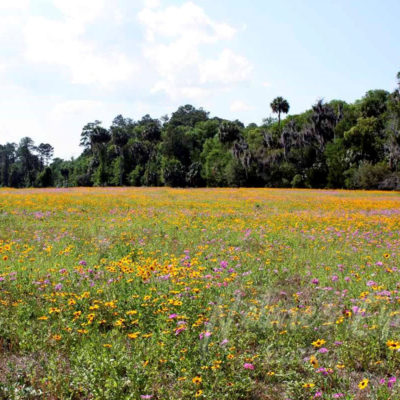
[[64, 63]]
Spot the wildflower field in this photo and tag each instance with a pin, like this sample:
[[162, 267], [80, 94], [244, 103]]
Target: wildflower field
[[133, 293]]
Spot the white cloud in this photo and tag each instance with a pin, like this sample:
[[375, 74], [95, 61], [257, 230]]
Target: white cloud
[[84, 11], [152, 3], [239, 106], [62, 44], [227, 68], [184, 53], [75, 107], [176, 37], [188, 22], [14, 4]]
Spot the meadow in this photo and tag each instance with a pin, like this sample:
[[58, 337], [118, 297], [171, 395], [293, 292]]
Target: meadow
[[157, 293]]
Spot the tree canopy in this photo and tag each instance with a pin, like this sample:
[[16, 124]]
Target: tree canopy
[[333, 144]]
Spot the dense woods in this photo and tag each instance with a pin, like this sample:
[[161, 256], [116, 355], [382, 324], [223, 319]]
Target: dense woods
[[332, 145]]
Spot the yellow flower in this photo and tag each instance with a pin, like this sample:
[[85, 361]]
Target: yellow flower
[[197, 380], [198, 393], [308, 385], [318, 343], [314, 361], [133, 335], [393, 345], [363, 384]]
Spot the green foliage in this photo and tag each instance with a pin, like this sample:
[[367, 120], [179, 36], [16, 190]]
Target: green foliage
[[374, 103], [363, 140], [325, 146], [45, 178], [368, 176], [215, 160], [280, 105], [173, 173]]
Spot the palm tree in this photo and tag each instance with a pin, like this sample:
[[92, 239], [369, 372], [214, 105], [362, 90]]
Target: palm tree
[[280, 105]]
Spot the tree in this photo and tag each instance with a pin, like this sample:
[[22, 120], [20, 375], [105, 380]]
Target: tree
[[363, 142], [280, 105], [323, 122], [7, 159], [173, 172], [228, 132], [188, 116], [98, 138], [120, 137], [374, 103], [46, 152], [29, 162]]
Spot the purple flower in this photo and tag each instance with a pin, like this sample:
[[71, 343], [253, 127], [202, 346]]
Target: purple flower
[[323, 350], [58, 286], [315, 281], [337, 395], [248, 366], [180, 330], [391, 381], [146, 396], [82, 262], [172, 316], [334, 278]]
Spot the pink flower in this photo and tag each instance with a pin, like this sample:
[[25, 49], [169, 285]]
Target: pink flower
[[323, 350], [248, 366], [391, 381], [180, 330]]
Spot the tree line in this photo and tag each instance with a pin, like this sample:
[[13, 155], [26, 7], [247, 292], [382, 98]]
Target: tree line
[[332, 145]]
